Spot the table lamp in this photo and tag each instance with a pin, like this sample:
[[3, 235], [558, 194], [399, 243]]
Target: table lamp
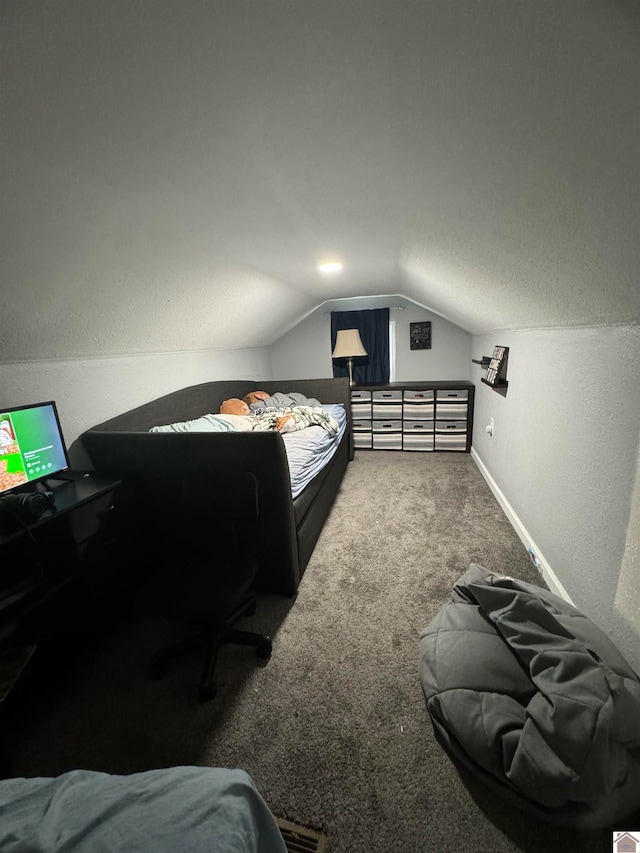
[[348, 345]]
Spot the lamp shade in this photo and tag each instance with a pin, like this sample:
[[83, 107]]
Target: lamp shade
[[348, 344]]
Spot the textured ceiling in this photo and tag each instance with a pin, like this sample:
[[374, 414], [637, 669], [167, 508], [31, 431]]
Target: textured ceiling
[[173, 170]]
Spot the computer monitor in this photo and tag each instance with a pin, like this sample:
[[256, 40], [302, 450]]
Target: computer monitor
[[32, 446]]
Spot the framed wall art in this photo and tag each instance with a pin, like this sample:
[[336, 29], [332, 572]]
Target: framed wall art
[[420, 335]]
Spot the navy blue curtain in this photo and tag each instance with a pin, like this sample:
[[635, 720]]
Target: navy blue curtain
[[373, 326]]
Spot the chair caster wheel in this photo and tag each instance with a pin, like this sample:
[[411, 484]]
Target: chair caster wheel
[[264, 650], [207, 692]]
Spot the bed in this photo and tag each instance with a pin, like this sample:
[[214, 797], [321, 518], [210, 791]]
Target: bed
[[152, 446], [199, 809], [311, 431]]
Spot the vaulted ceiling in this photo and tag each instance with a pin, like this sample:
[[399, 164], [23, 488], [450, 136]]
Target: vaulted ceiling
[[174, 170]]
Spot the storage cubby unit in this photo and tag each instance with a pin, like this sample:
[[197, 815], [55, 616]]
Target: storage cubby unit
[[423, 416]]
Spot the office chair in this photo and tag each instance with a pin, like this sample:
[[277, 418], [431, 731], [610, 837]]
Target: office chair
[[210, 569]]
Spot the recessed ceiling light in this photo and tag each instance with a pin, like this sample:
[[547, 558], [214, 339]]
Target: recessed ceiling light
[[330, 267]]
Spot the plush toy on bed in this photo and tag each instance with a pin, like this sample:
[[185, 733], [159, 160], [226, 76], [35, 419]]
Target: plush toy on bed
[[234, 406], [254, 397]]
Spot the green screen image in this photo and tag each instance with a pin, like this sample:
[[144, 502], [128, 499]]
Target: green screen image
[[31, 445]]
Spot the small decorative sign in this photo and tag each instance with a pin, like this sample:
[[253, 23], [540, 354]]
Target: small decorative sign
[[420, 335]]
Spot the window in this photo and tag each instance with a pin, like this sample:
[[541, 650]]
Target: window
[[373, 326]]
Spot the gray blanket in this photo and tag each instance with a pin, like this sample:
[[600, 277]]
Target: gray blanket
[[523, 687], [282, 401], [195, 809]]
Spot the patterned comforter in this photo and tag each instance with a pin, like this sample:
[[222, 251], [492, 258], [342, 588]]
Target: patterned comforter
[[292, 418]]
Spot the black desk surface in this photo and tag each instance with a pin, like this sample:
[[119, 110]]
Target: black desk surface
[[25, 584], [68, 494]]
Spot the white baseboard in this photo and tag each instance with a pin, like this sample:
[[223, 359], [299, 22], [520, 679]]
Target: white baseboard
[[541, 564]]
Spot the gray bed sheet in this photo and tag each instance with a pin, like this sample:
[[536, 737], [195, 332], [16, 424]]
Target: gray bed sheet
[[195, 809], [309, 450]]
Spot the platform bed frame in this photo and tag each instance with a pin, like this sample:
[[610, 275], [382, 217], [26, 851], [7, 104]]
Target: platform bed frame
[[151, 465]]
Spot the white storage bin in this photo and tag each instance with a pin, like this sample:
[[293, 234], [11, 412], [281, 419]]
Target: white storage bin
[[387, 435]]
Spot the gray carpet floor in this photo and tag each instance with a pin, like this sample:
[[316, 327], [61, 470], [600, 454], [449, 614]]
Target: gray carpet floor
[[334, 728]]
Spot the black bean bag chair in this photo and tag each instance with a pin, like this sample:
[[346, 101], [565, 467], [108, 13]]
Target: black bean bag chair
[[529, 695]]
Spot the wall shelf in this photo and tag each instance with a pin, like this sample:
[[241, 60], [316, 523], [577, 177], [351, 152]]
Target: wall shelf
[[495, 385], [484, 362], [496, 375]]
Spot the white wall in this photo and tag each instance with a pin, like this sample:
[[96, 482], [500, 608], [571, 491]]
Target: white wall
[[90, 390], [564, 455], [305, 350], [627, 601]]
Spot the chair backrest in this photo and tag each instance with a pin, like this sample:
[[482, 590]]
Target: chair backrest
[[229, 494], [206, 551], [219, 510]]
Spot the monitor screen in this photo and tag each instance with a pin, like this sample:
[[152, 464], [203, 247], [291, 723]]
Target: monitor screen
[[31, 445]]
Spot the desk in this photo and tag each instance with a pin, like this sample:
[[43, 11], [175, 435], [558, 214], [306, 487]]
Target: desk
[[37, 558], [41, 559]]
